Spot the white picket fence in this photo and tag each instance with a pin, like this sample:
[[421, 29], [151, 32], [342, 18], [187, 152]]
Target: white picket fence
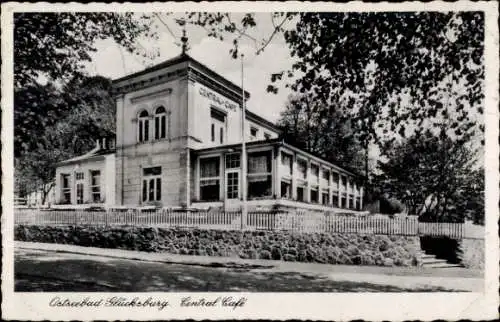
[[289, 221]]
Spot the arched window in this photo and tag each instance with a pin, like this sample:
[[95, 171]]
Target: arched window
[[143, 126], [160, 123]]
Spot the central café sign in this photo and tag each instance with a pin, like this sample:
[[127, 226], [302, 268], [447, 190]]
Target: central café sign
[[217, 99]]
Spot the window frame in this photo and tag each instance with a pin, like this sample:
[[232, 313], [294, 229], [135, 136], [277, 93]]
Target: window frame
[[253, 129], [95, 188], [66, 188], [217, 178], [151, 185], [143, 126], [267, 174], [160, 123], [218, 121]]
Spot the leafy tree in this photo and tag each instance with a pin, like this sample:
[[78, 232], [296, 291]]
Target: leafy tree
[[57, 45], [431, 174], [86, 111], [62, 119], [403, 69], [401, 72], [322, 131]]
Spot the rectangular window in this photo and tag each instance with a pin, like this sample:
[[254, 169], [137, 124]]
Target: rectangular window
[[314, 174], [66, 189], [218, 124], [233, 184], [358, 203], [324, 198], [253, 133], [95, 186], [335, 181], [343, 183], [79, 176], [351, 202], [233, 161], [286, 190], [302, 168], [314, 196], [300, 194], [335, 198], [325, 178], [343, 202], [259, 174], [151, 184], [79, 193], [286, 163], [210, 179]]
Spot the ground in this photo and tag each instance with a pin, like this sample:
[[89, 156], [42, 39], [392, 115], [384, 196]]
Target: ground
[[50, 271]]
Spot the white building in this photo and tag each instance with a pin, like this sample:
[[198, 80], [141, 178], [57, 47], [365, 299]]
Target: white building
[[178, 144]]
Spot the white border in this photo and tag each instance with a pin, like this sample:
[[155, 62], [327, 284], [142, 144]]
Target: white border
[[330, 306]]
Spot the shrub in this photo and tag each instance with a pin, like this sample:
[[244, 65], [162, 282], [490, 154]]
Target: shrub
[[265, 254], [276, 253], [356, 260], [388, 262], [289, 258], [251, 253], [367, 260], [352, 250], [302, 255]]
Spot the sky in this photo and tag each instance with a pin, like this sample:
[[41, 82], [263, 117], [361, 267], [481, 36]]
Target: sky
[[111, 61]]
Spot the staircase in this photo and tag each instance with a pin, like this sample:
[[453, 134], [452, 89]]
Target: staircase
[[429, 260]]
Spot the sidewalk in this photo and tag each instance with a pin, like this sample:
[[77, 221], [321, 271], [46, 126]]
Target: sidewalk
[[408, 277]]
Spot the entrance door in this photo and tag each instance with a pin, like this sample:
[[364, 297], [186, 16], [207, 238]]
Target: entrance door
[[232, 184]]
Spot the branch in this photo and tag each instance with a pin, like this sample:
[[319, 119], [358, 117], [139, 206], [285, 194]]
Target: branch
[[275, 31]]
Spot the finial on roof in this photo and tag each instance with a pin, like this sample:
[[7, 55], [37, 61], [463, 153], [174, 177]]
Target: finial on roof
[[184, 38]]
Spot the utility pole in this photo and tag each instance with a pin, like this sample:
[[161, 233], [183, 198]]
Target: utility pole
[[243, 154]]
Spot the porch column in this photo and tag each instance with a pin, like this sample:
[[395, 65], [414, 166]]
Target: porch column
[[347, 188], [330, 188], [308, 181], [197, 179], [73, 187], [294, 176], [188, 178], [339, 195], [361, 198], [277, 173], [222, 185]]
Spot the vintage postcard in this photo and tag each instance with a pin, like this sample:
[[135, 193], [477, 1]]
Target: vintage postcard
[[246, 160]]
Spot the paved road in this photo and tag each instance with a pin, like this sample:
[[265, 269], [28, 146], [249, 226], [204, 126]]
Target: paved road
[[68, 268]]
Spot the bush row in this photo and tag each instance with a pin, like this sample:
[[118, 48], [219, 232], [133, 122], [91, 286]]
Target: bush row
[[312, 247]]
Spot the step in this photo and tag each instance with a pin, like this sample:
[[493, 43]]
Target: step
[[428, 256], [434, 261], [441, 265]]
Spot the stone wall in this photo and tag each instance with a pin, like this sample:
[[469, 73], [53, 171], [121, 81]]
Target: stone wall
[[314, 247], [471, 253]]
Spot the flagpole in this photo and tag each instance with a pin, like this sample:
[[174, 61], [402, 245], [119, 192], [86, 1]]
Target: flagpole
[[243, 154]]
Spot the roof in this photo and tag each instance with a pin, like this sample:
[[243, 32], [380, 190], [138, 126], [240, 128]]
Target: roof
[[279, 141], [180, 59], [94, 153]]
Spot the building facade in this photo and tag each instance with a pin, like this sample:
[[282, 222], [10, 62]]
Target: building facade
[[178, 144]]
